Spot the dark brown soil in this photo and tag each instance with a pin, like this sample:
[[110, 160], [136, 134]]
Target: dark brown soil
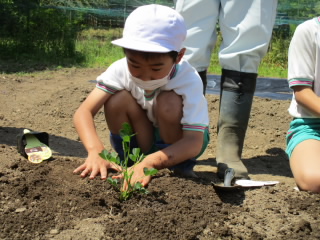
[[46, 201]]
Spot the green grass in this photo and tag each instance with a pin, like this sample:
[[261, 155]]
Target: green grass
[[268, 68], [272, 70], [93, 49], [273, 65], [97, 50]]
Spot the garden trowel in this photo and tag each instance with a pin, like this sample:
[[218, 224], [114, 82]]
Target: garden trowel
[[229, 183]]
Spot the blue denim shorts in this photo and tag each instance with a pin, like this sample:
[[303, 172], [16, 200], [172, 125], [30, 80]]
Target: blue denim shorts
[[302, 129]]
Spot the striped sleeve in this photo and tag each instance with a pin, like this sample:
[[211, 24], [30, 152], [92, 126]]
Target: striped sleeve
[[301, 56], [113, 79], [106, 88], [194, 127], [300, 82]]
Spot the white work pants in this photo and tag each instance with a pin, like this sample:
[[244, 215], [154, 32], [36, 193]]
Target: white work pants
[[246, 28]]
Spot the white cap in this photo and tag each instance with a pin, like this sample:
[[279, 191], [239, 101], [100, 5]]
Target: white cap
[[153, 28]]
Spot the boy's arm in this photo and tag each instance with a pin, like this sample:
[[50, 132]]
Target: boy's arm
[[187, 147], [306, 97], [84, 123]]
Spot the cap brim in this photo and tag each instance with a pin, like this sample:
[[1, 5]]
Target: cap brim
[[140, 46]]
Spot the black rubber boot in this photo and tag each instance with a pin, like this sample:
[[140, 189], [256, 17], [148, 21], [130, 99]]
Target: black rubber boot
[[236, 95], [203, 76]]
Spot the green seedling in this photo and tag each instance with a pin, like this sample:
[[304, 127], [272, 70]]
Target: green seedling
[[136, 157]]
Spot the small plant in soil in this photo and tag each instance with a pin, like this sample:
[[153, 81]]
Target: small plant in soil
[[136, 157]]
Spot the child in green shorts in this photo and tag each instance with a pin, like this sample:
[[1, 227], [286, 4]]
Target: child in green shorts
[[153, 89], [303, 138]]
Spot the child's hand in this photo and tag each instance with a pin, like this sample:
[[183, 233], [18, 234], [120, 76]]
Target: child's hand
[[95, 165], [138, 176]]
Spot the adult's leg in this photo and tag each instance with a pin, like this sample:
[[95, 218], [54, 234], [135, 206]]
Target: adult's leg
[[200, 17], [246, 28], [121, 108], [305, 165], [236, 96]]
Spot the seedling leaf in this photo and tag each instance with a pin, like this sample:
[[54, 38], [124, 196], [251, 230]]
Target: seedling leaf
[[112, 157], [133, 157], [113, 182], [126, 130], [138, 187], [150, 171], [126, 139], [136, 151], [104, 154]]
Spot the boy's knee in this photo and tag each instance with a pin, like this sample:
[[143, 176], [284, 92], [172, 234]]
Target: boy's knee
[[310, 182], [122, 95], [169, 104], [115, 101]]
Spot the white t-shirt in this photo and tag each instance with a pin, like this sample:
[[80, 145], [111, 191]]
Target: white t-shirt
[[304, 63], [185, 82]]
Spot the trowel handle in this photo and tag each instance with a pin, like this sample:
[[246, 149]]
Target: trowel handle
[[228, 177]]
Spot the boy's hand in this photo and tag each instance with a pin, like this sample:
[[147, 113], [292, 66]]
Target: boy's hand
[[95, 165], [138, 175]]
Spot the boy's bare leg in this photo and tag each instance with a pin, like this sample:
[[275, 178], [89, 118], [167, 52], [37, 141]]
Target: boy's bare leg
[[168, 112], [305, 165], [121, 108]]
